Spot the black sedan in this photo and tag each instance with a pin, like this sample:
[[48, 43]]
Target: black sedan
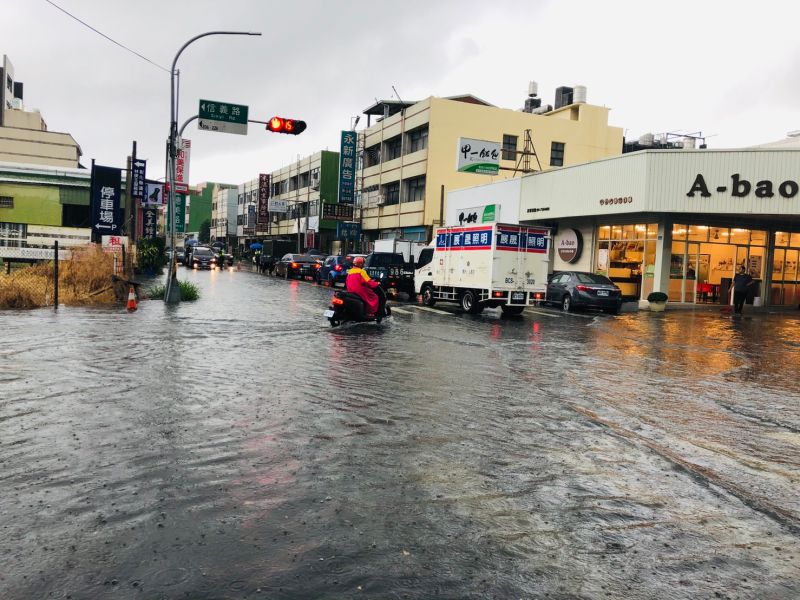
[[301, 266], [202, 258], [573, 289]]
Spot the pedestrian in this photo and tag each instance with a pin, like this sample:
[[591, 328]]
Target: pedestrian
[[741, 285]]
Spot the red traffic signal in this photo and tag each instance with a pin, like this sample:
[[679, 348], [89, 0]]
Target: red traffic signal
[[290, 126]]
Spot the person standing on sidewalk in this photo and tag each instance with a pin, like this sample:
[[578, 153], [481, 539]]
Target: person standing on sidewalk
[[741, 285]]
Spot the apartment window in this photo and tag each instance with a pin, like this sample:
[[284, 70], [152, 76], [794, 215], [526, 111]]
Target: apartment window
[[241, 200], [557, 154], [509, 147], [415, 189], [6, 202], [372, 156], [293, 183], [392, 147], [418, 139], [391, 193], [304, 179], [315, 178]]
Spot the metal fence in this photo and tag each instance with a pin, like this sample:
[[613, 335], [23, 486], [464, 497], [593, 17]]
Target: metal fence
[[76, 276]]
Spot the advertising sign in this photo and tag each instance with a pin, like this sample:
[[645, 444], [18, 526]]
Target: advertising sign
[[113, 243], [277, 206], [263, 199], [347, 168], [570, 245], [310, 235], [149, 222], [479, 214], [180, 212], [154, 194], [138, 183], [106, 214], [182, 163], [478, 156], [348, 230]]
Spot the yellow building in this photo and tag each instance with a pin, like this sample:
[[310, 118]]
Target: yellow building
[[24, 137], [409, 156]]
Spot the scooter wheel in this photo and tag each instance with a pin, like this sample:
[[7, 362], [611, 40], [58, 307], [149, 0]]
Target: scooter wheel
[[334, 322]]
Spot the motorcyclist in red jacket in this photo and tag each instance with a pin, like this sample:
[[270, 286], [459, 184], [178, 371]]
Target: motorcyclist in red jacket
[[358, 282]]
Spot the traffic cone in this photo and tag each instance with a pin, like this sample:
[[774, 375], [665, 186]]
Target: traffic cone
[[132, 300]]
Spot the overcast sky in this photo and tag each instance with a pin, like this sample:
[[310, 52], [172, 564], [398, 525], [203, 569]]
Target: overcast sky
[[730, 69]]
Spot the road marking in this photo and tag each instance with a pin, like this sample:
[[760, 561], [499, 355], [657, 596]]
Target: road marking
[[434, 310], [544, 314], [401, 311]]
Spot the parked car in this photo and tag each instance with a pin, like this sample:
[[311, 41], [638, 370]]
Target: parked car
[[574, 289], [179, 255], [297, 265], [202, 258], [334, 269]]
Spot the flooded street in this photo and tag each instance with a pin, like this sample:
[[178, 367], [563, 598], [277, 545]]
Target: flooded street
[[238, 447]]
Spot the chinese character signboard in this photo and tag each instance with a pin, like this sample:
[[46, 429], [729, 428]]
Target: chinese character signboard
[[343, 212], [223, 117], [154, 194], [478, 156], [263, 199], [347, 168], [345, 230], [180, 212], [138, 185], [250, 220], [278, 206], [182, 164], [149, 223], [106, 217], [478, 214]]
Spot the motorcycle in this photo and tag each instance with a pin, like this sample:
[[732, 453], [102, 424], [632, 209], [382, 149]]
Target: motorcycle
[[346, 306]]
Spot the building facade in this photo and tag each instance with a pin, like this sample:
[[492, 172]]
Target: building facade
[[24, 137], [409, 156], [675, 221], [223, 214]]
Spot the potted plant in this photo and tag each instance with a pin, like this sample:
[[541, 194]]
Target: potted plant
[[657, 301]]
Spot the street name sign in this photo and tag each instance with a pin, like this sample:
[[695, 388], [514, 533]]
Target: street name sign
[[222, 116]]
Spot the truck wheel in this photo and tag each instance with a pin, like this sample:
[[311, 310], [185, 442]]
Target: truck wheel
[[512, 310], [469, 303], [427, 295], [566, 303]]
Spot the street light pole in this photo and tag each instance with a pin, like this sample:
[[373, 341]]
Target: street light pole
[[172, 294]]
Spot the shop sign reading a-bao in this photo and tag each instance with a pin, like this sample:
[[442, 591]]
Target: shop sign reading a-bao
[[570, 245]]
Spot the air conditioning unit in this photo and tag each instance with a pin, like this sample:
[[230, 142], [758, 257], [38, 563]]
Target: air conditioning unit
[[315, 185]]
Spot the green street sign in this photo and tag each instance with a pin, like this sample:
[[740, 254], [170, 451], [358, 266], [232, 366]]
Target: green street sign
[[222, 116]]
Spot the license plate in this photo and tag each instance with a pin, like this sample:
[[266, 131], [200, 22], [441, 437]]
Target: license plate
[[518, 296], [328, 314], [602, 292]]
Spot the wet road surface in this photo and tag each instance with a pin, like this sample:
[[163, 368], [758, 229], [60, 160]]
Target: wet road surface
[[238, 447]]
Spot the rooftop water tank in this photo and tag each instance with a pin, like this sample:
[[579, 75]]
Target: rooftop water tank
[[579, 94], [647, 139], [533, 89], [688, 143]]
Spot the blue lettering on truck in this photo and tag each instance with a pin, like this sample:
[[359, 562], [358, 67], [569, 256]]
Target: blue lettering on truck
[[470, 239]]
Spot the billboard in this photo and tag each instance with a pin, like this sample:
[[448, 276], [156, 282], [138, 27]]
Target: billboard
[[347, 168], [478, 156], [263, 199]]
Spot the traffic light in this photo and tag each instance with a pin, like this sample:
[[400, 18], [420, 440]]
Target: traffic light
[[290, 126]]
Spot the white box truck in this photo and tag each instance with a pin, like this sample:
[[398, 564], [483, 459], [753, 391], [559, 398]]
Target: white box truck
[[485, 265], [408, 248]]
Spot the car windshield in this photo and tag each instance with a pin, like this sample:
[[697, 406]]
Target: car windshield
[[204, 252], [592, 278]]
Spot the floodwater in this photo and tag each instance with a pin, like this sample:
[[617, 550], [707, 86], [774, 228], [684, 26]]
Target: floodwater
[[238, 447]]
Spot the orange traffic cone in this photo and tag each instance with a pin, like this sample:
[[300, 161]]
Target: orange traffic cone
[[132, 300]]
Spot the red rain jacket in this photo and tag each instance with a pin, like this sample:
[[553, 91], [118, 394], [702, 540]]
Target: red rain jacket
[[358, 282]]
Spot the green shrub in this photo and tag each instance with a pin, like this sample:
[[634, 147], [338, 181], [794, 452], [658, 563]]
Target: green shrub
[[189, 292], [657, 297], [150, 255]]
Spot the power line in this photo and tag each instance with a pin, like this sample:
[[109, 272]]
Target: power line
[[105, 36]]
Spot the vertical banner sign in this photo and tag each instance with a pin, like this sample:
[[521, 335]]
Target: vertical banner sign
[[263, 199], [182, 164], [347, 168], [251, 219], [149, 223], [180, 213], [138, 184], [106, 217]]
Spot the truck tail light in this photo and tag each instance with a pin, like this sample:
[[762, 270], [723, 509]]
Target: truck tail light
[[498, 294], [538, 296]]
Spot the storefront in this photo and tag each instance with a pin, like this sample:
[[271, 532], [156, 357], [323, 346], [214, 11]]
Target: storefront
[[676, 221]]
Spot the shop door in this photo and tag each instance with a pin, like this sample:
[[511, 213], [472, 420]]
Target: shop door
[[691, 264]]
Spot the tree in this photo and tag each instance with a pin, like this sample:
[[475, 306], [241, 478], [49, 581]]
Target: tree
[[205, 232]]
